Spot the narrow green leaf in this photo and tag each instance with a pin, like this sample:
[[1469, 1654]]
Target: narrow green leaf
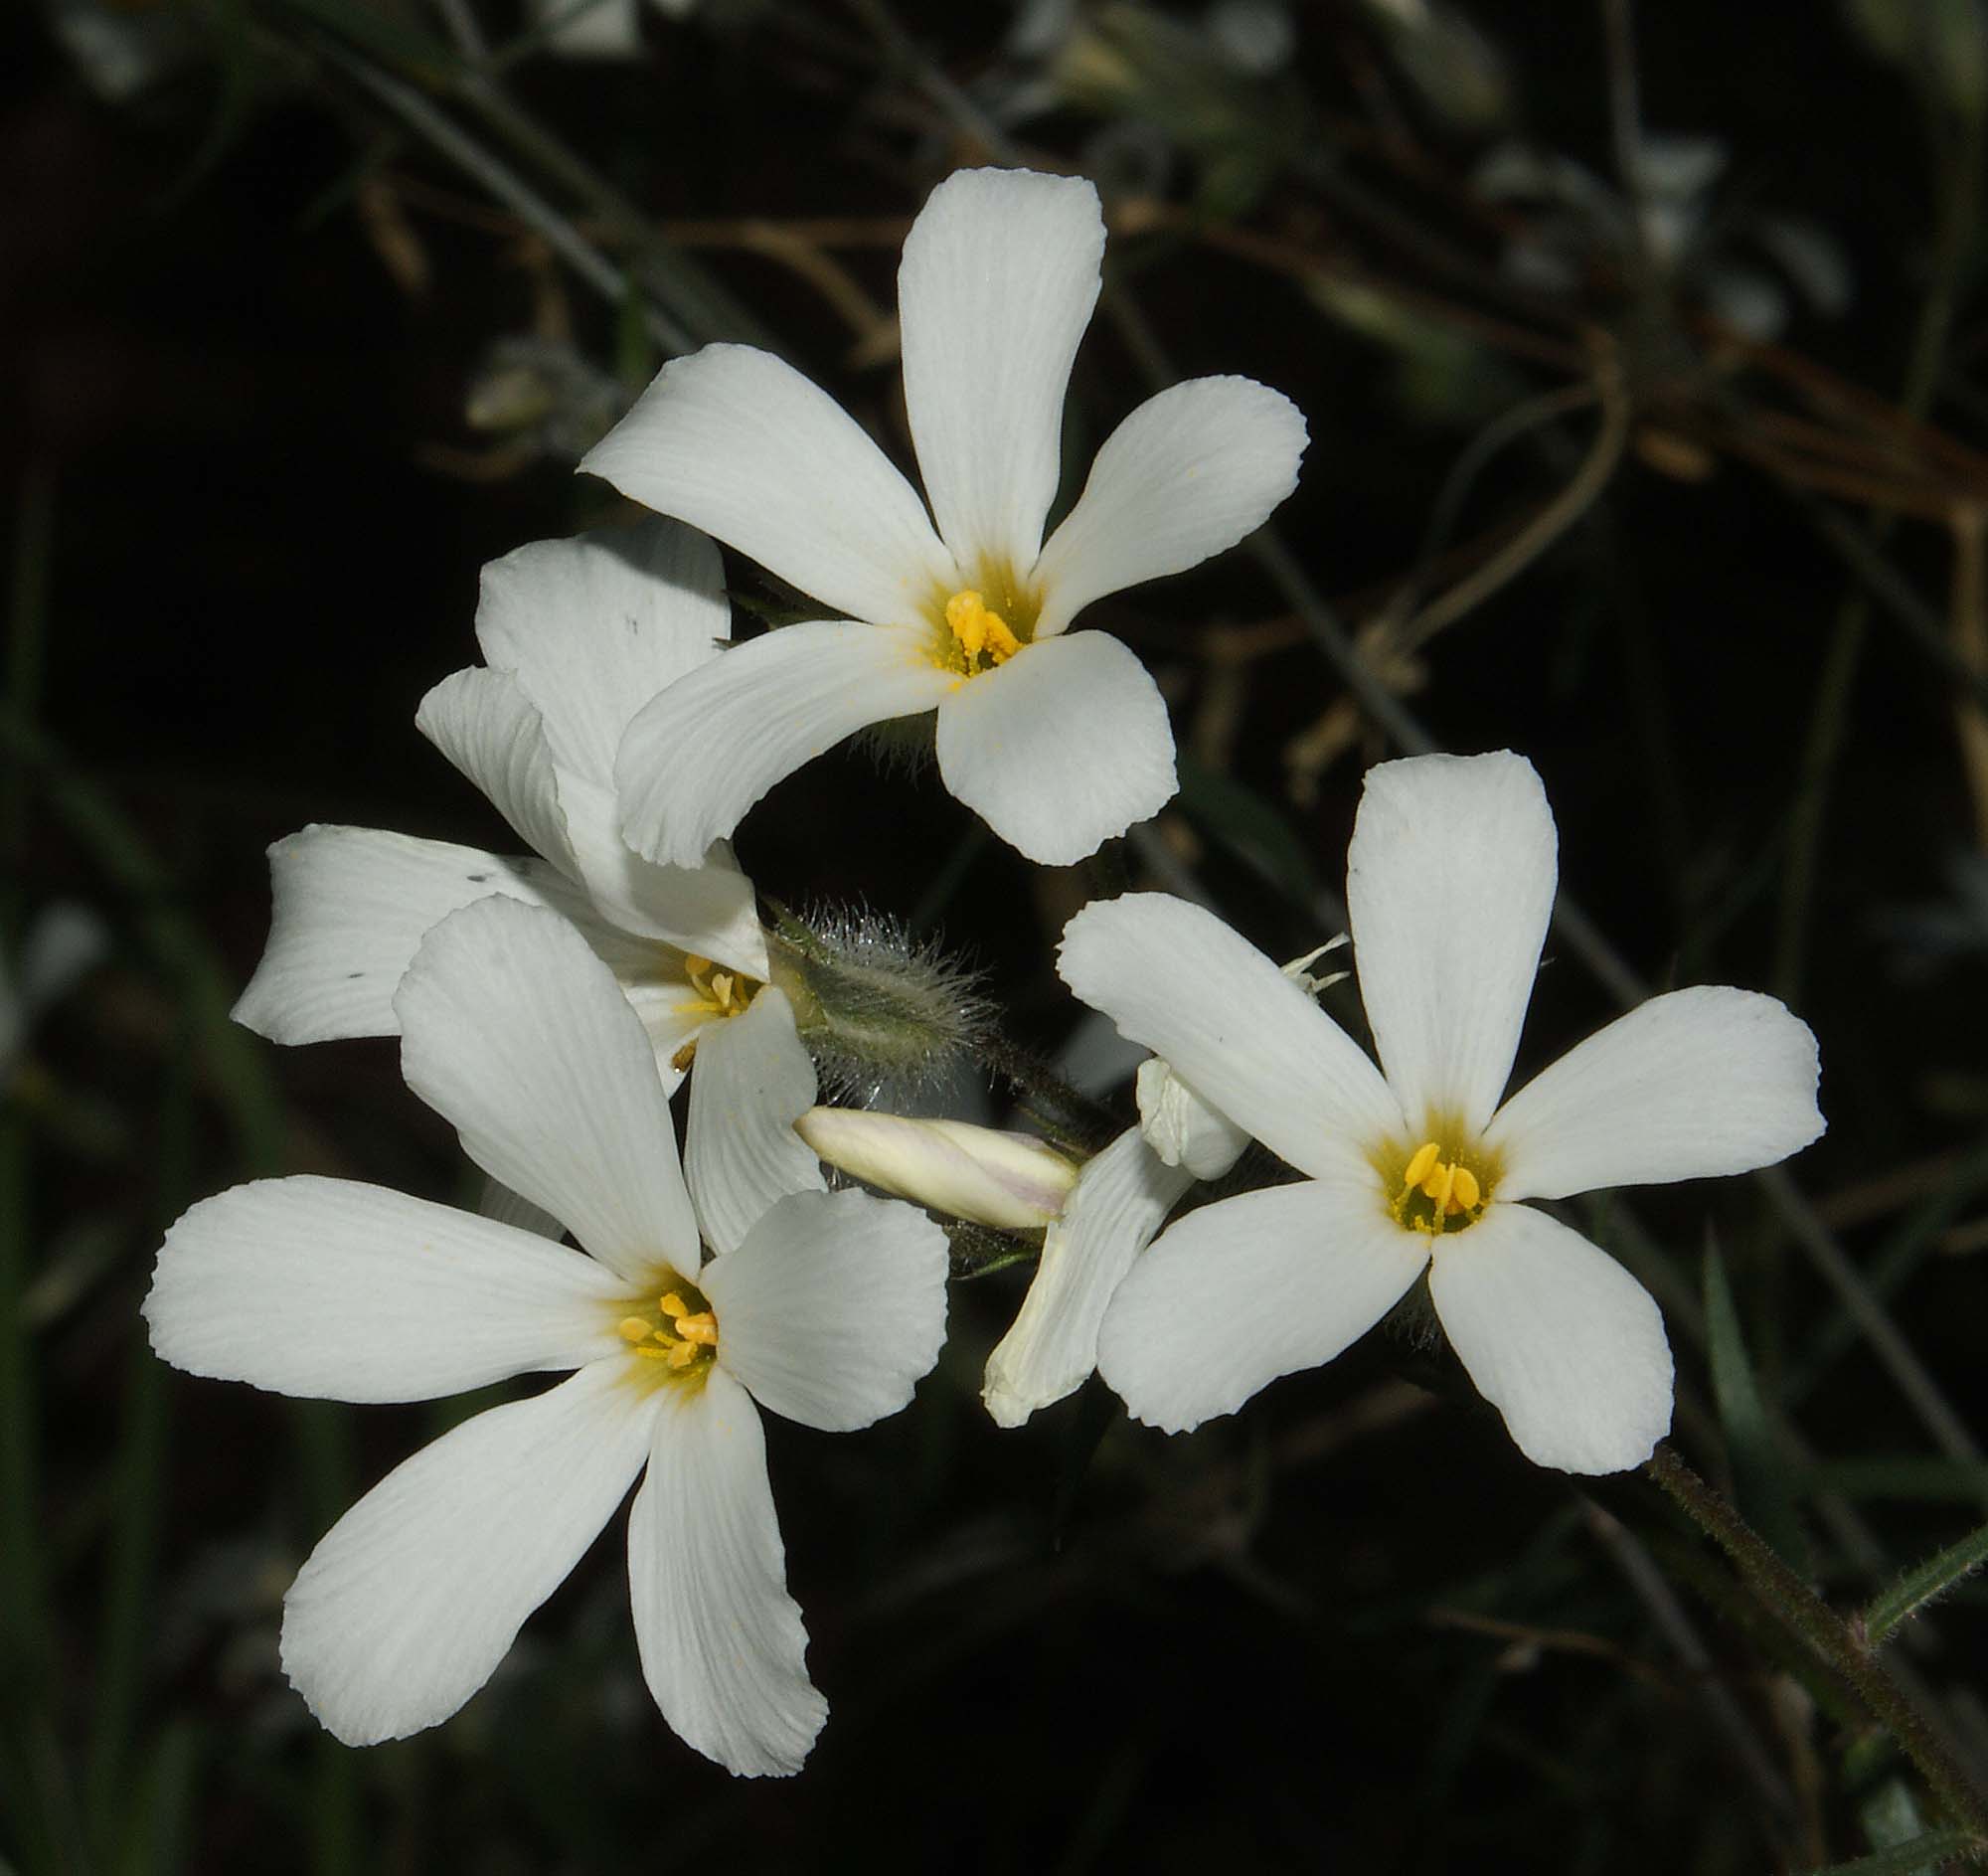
[[1925, 1584], [388, 36], [128, 1623], [1762, 1480], [1924, 1856], [635, 359], [1915, 1237], [1909, 1477], [1239, 819]]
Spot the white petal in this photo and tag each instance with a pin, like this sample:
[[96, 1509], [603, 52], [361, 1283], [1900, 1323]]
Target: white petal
[[487, 727], [1690, 1086], [997, 284], [1449, 883], [594, 627], [714, 742], [1189, 473], [751, 1081], [414, 1597], [709, 909], [742, 445], [834, 1308], [1121, 1199], [1012, 1181], [1233, 1026], [722, 1642], [1558, 1336], [497, 1201], [513, 1030], [1250, 1288], [1182, 1128], [1059, 749], [352, 905], [344, 1292]]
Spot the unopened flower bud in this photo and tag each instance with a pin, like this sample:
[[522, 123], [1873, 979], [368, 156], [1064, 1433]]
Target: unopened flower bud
[[881, 1012], [1011, 1181], [1182, 1128]]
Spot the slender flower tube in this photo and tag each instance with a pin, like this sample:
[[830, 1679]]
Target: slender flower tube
[[1057, 740], [1417, 1164], [826, 1307], [578, 634]]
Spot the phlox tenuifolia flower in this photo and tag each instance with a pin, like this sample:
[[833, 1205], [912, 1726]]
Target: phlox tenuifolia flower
[[578, 635], [673, 1327], [1416, 1165], [1057, 739]]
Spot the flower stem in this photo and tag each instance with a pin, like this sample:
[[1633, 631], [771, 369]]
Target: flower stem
[[1837, 1640]]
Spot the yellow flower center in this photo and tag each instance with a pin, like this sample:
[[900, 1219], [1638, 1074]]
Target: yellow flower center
[[1439, 1189], [971, 635], [678, 1332], [720, 994], [979, 633]]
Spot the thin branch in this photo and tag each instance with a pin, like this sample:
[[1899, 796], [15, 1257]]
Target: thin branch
[[509, 187]]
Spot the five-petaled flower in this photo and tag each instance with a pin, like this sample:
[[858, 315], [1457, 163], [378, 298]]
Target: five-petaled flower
[[1416, 1165], [1057, 740], [578, 634], [825, 1308]]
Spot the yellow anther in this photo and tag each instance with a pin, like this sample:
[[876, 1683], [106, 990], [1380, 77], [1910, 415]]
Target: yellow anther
[[1435, 1189], [685, 1056], [722, 982], [966, 616], [696, 966], [979, 630], [677, 1329]]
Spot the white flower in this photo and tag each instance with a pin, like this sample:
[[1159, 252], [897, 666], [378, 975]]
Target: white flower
[[1450, 880], [1056, 740], [578, 634], [1121, 1198], [827, 1309]]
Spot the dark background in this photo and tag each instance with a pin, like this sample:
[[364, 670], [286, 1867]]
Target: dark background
[[239, 316]]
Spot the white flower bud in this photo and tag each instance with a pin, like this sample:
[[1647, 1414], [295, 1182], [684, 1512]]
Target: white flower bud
[[1182, 1128], [1011, 1181]]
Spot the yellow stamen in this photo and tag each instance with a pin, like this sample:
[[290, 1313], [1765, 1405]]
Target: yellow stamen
[[1450, 1187], [684, 1056], [979, 631], [721, 992], [677, 1329]]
